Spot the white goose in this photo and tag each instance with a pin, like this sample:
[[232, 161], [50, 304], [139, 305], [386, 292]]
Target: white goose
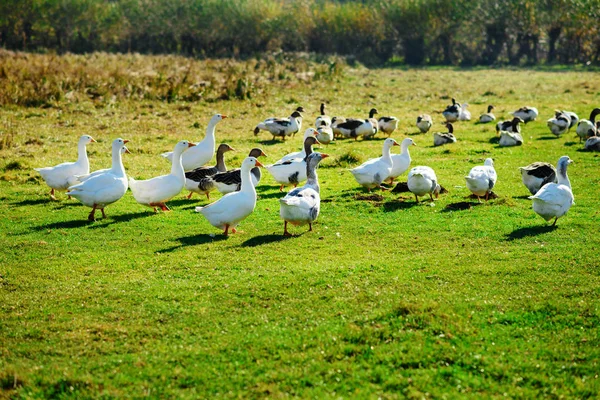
[[527, 114], [197, 181], [508, 139], [441, 138], [301, 205], [61, 176], [156, 191], [204, 151], [482, 179], [424, 123], [103, 189], [488, 116], [325, 134], [560, 123], [353, 128], [387, 124], [465, 115], [230, 181], [401, 162], [553, 200], [587, 128], [231, 209], [323, 119], [310, 132], [83, 178], [422, 180], [452, 112], [536, 175], [373, 172], [282, 127], [292, 172]]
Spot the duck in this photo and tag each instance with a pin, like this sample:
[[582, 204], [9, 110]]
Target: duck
[[508, 139], [401, 162], [593, 143], [482, 179], [373, 172], [387, 124], [587, 128], [335, 121], [421, 181], [573, 117], [441, 138], [83, 178], [465, 115], [323, 119], [560, 123], [325, 134], [554, 200], [309, 132], [196, 181], [230, 181], [424, 122], [102, 189], [203, 152], [512, 125], [452, 112], [537, 174], [231, 209], [155, 192], [353, 128], [527, 114], [488, 116], [282, 127], [301, 205], [61, 176], [292, 172]]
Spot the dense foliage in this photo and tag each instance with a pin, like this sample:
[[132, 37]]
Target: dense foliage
[[446, 32]]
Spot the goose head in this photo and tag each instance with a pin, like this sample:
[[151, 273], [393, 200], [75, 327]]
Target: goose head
[[300, 109], [408, 142], [296, 114], [119, 144], [216, 118], [182, 146], [310, 132], [86, 139], [388, 144], [315, 158], [224, 147], [373, 112], [256, 152], [251, 162], [490, 108]]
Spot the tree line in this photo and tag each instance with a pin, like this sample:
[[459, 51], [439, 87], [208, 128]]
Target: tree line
[[374, 32]]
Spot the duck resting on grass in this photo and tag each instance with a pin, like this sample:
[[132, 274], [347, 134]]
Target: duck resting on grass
[[488, 116], [553, 200], [424, 123], [527, 114], [587, 128], [441, 138]]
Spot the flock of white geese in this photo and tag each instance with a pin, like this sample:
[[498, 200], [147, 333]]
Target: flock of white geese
[[550, 187]]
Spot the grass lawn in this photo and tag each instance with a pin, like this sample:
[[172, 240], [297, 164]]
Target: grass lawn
[[385, 298]]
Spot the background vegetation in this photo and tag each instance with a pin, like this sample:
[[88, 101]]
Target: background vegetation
[[448, 32]]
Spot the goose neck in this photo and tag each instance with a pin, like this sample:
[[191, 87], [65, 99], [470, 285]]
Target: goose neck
[[221, 162], [117, 162], [177, 166], [247, 186], [562, 177]]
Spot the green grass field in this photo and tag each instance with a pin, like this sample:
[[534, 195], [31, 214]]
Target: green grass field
[[385, 298]]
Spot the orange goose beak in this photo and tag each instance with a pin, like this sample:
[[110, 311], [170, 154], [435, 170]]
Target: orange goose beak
[[259, 164], [190, 144]]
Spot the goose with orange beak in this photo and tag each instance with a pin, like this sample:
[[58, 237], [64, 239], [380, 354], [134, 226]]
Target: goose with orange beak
[[231, 209]]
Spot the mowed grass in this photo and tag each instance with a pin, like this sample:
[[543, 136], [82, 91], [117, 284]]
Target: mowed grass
[[385, 298]]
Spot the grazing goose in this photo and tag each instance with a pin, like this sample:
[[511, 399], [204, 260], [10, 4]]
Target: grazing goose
[[553, 200], [323, 119], [83, 178], [441, 138], [424, 123], [301, 205], [292, 172], [310, 132], [527, 114], [465, 115], [401, 162], [230, 181], [536, 175], [560, 123], [587, 128], [373, 172], [231, 209], [452, 112], [204, 151], [353, 128], [512, 125], [387, 124], [593, 143], [422, 180], [103, 189], [197, 181], [481, 179], [155, 192], [488, 116], [282, 127], [61, 176], [325, 134]]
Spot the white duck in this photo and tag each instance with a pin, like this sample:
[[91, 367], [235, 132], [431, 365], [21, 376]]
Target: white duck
[[441, 138], [482, 179], [301, 205], [452, 112], [387, 124], [536, 175], [204, 151], [401, 162], [61, 176], [282, 127], [156, 191], [373, 172], [310, 132], [587, 128], [231, 209], [527, 114], [560, 123], [488, 116], [421, 181], [553, 200], [292, 172], [230, 181], [323, 119], [106, 188], [325, 134], [196, 181], [424, 123], [510, 139], [83, 178], [465, 115], [353, 128]]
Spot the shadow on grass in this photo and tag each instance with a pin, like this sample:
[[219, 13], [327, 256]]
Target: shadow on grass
[[270, 142], [184, 202], [570, 144], [194, 241], [265, 239], [548, 138], [526, 197], [398, 204], [77, 223], [112, 219], [494, 140], [529, 231], [460, 206], [32, 202]]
